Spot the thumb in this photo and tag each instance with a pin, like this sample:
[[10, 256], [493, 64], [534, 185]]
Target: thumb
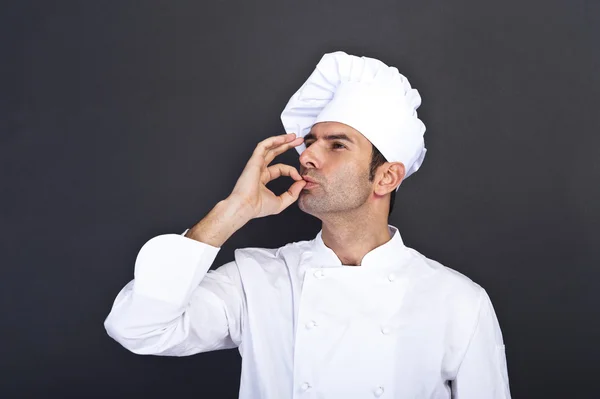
[[291, 195]]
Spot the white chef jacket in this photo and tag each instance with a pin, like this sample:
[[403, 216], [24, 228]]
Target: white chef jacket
[[398, 326]]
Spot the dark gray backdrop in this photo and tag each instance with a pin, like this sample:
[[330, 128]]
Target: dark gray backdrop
[[121, 120]]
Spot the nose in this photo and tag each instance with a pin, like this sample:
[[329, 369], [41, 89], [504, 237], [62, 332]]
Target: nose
[[309, 159]]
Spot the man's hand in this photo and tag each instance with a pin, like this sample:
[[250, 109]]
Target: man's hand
[[251, 192], [250, 197]]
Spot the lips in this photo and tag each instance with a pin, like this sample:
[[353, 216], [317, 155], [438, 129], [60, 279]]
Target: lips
[[310, 182], [309, 179]]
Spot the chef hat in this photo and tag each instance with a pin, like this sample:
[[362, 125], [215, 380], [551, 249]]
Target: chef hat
[[369, 96]]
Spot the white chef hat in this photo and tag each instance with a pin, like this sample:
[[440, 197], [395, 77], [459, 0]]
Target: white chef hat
[[369, 96]]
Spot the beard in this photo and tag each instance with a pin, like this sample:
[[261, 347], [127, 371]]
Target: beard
[[342, 193]]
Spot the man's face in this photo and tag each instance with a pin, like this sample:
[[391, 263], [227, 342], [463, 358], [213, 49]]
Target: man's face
[[337, 158]]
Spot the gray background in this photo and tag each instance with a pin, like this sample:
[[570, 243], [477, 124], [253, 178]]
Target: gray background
[[123, 120]]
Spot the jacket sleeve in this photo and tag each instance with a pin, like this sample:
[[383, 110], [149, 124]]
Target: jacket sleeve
[[175, 305], [483, 371]]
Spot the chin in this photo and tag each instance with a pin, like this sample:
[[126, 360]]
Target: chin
[[304, 204], [309, 205]]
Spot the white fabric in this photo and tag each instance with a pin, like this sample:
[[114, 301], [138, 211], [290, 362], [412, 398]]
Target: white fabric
[[369, 96], [398, 326]]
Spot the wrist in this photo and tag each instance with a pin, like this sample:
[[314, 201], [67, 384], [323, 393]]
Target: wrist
[[236, 208], [227, 217]]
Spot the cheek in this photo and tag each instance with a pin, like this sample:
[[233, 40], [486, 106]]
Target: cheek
[[351, 174]]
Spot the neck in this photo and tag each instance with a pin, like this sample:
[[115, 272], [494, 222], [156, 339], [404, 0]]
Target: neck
[[351, 239]]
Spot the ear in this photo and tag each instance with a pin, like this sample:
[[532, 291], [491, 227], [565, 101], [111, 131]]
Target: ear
[[390, 175]]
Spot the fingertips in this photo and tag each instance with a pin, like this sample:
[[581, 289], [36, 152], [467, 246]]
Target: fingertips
[[297, 187], [294, 143], [296, 175], [284, 139]]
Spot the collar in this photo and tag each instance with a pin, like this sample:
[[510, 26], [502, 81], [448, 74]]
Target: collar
[[392, 252]]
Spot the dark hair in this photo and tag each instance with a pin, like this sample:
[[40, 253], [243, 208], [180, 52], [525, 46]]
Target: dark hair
[[377, 159]]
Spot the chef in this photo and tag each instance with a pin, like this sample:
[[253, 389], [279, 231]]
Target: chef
[[352, 313]]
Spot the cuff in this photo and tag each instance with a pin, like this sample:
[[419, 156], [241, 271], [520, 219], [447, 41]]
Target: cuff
[[170, 266]]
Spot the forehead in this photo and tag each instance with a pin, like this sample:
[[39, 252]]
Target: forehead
[[327, 128]]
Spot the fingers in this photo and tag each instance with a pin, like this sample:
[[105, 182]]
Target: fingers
[[264, 150], [275, 171], [277, 150], [274, 141], [291, 195]]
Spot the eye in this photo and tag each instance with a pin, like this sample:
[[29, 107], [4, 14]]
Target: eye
[[338, 145]]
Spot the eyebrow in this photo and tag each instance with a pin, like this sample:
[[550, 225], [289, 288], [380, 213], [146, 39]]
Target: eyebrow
[[330, 137]]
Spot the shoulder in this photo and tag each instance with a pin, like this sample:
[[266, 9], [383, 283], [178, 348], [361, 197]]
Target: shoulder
[[454, 289], [455, 298]]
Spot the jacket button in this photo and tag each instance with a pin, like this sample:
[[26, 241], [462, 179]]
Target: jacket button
[[319, 274], [378, 392], [386, 330], [391, 277], [310, 324], [305, 386]]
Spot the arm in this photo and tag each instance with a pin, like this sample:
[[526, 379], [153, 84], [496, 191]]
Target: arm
[[483, 372], [175, 306]]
